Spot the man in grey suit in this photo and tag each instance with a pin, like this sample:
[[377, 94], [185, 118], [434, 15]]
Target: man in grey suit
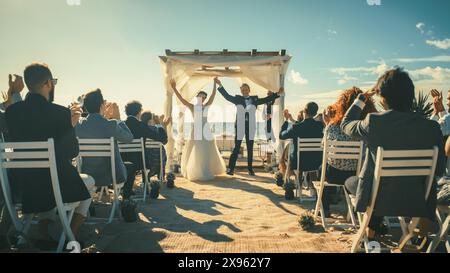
[[104, 121], [397, 128]]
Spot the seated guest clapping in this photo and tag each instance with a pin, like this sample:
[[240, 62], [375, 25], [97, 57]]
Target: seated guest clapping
[[37, 118], [152, 155], [339, 170], [307, 128], [397, 128], [141, 130], [103, 121]]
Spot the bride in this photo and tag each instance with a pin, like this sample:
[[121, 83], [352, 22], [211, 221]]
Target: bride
[[200, 160]]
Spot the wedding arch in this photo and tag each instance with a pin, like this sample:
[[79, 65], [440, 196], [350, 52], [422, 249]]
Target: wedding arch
[[193, 70]]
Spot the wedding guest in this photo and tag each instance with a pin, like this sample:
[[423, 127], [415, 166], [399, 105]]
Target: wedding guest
[[439, 113], [396, 128], [10, 97], [139, 129], [152, 154], [38, 119], [13, 94], [267, 117], [339, 170], [282, 165], [103, 121], [307, 128]]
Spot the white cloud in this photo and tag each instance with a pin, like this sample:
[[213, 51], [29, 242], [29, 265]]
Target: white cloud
[[296, 78], [438, 74], [421, 27], [345, 79], [441, 44], [344, 72], [332, 32], [442, 58]]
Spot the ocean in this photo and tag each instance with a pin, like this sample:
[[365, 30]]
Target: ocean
[[221, 128]]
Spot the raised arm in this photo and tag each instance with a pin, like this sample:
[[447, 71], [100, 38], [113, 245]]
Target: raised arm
[[270, 98], [213, 95], [177, 93], [352, 125], [224, 92]]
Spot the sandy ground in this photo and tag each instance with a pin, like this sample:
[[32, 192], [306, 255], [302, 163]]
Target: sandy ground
[[240, 214]]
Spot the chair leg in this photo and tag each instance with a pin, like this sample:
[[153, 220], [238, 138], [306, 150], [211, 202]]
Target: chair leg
[[360, 234], [115, 203], [67, 231], [145, 180], [113, 212], [406, 238], [322, 216], [319, 201], [350, 209], [441, 236]]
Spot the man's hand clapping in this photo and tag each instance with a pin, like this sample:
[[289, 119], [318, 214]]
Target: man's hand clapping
[[112, 111], [76, 112], [438, 104]]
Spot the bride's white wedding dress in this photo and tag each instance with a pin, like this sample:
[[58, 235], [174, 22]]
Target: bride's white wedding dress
[[201, 159]]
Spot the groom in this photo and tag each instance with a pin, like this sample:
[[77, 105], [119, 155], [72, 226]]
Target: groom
[[245, 121]]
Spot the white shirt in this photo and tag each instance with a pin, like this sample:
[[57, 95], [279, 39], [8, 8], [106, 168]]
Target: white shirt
[[443, 119]]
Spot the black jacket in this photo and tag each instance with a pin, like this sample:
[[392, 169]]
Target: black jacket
[[309, 128], [394, 130], [36, 119], [141, 130]]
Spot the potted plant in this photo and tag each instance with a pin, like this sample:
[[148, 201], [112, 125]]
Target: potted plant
[[289, 191], [307, 221], [170, 178], [154, 189], [279, 179]]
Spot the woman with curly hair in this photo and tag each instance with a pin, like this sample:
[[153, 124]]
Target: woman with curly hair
[[338, 170]]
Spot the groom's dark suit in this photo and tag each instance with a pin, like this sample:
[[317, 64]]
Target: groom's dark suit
[[250, 123]]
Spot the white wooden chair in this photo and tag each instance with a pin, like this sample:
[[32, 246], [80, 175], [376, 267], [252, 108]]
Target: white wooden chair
[[151, 144], [348, 150], [303, 145], [400, 163], [92, 148], [34, 155], [137, 146]]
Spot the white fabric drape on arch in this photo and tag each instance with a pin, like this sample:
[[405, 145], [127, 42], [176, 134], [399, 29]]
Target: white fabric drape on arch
[[262, 73]]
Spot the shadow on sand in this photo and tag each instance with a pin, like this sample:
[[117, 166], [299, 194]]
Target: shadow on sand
[[242, 183]]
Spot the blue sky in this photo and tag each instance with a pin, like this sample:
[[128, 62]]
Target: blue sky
[[114, 44]]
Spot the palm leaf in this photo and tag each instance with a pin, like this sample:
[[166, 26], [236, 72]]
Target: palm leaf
[[422, 106]]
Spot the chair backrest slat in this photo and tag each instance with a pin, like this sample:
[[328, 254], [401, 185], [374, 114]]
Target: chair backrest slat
[[136, 146], [407, 153], [407, 163], [344, 156], [94, 141], [87, 147], [24, 155], [94, 154], [153, 144], [24, 145], [43, 164], [405, 172]]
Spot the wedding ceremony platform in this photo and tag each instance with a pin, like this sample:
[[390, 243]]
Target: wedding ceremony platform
[[193, 70]]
